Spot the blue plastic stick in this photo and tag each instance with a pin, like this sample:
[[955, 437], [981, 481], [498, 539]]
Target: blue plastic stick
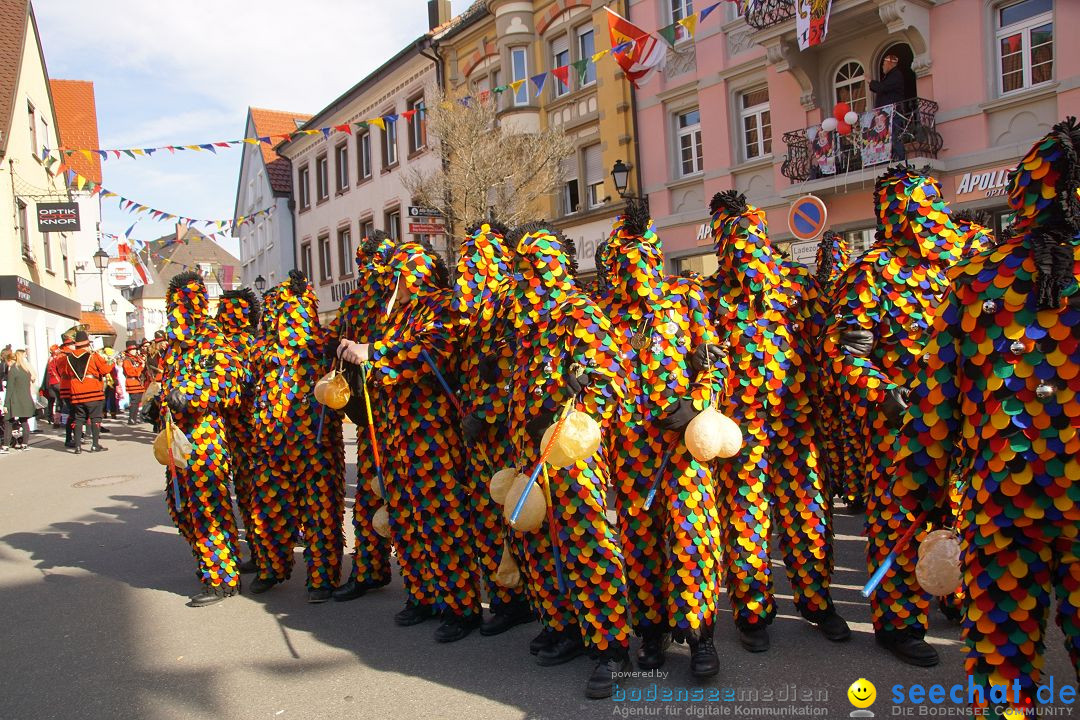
[[439, 376], [659, 474], [878, 575]]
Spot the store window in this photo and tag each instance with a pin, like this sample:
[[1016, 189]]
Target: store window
[[1025, 44]]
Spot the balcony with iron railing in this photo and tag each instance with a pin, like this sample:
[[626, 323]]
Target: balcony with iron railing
[[904, 131], [761, 14]]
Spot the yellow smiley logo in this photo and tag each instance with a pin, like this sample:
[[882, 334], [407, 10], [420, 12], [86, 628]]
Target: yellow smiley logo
[[862, 693]]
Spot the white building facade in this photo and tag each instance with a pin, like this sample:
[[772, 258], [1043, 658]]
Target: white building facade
[[348, 184]]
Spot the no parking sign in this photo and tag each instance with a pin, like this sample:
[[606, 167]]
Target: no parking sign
[[807, 218]]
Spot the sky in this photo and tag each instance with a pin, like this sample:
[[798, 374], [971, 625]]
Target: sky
[[185, 73]]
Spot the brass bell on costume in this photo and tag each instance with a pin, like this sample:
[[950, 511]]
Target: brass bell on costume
[[333, 390]]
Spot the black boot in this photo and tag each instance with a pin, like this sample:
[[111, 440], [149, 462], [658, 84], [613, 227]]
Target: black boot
[[319, 595], [456, 627], [261, 585], [544, 640], [355, 588], [414, 614], [506, 617], [908, 648], [704, 662], [602, 681], [247, 567], [653, 643], [212, 595], [95, 434], [566, 646], [833, 627], [755, 638]]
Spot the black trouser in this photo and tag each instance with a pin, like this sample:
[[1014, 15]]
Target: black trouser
[[134, 401], [89, 413], [52, 392], [69, 428], [9, 429], [112, 404]]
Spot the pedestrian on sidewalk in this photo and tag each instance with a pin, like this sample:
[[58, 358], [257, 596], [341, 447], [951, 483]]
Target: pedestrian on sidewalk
[[51, 382], [18, 403]]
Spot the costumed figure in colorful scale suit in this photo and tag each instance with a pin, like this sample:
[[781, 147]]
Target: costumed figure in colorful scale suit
[[665, 499], [838, 461], [483, 297], [882, 314], [201, 385], [768, 312], [299, 489], [999, 397], [238, 319], [577, 585], [360, 318], [426, 499]]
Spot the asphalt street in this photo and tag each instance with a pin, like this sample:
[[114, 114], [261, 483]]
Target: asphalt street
[[94, 580]]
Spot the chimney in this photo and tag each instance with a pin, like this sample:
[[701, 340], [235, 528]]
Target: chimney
[[438, 13]]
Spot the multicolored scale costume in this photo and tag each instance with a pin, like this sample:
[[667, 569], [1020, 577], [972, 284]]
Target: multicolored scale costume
[[999, 396], [890, 296], [557, 326], [202, 385], [672, 548], [238, 319], [483, 302], [837, 451], [426, 499], [299, 491], [359, 319], [768, 311]]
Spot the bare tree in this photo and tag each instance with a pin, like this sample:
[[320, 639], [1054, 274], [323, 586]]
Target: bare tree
[[487, 166]]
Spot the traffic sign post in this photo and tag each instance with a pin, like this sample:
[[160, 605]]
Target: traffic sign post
[[423, 212], [807, 218]]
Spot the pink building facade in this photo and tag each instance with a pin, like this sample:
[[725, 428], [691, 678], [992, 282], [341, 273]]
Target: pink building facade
[[740, 106]]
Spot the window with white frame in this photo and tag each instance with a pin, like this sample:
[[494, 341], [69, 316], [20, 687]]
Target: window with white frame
[[418, 125], [326, 260], [560, 56], [43, 138], [594, 176], [571, 196], [519, 70], [322, 178], [850, 85], [756, 123], [24, 228], [345, 251], [363, 156], [305, 259], [688, 141], [586, 46], [32, 118], [303, 181], [680, 10], [393, 223], [389, 148], [341, 166], [1025, 44], [47, 248], [367, 228]]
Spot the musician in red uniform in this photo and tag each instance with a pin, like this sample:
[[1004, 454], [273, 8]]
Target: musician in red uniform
[[85, 372], [133, 366]]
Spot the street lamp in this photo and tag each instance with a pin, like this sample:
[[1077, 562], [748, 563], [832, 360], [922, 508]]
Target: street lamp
[[260, 283], [620, 174], [101, 261], [113, 307]]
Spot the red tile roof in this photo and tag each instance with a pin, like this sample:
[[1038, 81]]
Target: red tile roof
[[276, 122], [12, 36], [76, 115], [96, 324]]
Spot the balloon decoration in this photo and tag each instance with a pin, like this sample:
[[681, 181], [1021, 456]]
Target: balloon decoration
[[840, 111], [851, 117], [829, 124], [843, 128]]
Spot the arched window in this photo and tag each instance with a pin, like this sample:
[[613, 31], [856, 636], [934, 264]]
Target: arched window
[[850, 84]]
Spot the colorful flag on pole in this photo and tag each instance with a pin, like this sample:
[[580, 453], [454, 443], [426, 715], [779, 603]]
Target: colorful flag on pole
[[644, 57]]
